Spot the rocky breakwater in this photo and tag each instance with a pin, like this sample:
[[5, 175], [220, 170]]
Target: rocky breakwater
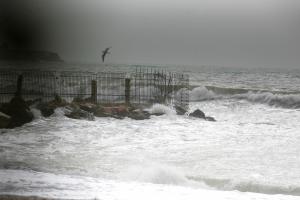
[[17, 112]]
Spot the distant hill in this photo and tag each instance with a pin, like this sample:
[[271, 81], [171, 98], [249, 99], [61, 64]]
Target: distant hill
[[28, 55]]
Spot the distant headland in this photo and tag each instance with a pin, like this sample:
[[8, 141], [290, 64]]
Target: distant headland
[[9, 54]]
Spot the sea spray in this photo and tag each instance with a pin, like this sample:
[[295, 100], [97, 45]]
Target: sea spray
[[158, 173], [162, 109]]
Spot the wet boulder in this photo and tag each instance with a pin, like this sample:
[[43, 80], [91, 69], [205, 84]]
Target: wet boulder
[[139, 114], [211, 119], [19, 112], [158, 113], [4, 120], [47, 108], [118, 112], [180, 110], [198, 114], [98, 111], [88, 107], [76, 113], [121, 110]]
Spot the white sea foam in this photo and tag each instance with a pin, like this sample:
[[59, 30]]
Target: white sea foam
[[36, 113], [78, 187], [161, 109], [167, 150], [201, 94]]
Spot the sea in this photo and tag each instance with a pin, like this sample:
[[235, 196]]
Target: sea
[[252, 151]]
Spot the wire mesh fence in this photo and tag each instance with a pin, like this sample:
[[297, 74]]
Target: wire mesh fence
[[8, 85], [111, 87], [143, 86]]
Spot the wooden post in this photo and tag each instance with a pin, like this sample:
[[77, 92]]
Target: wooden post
[[19, 85], [94, 91], [127, 91]]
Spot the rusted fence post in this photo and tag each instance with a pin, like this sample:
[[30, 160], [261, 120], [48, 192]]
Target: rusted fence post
[[127, 91], [19, 85], [94, 91]]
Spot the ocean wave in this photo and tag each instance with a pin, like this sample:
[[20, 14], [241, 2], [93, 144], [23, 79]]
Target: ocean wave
[[251, 186], [157, 173], [272, 98]]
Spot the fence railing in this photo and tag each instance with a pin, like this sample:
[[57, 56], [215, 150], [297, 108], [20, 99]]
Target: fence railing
[[143, 86]]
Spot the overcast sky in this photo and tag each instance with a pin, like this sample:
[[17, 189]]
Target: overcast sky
[[240, 33]]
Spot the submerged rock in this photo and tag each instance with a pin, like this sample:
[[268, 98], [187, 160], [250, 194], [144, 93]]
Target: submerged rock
[[180, 110], [158, 114], [46, 109], [200, 114], [4, 120], [211, 119], [197, 113]]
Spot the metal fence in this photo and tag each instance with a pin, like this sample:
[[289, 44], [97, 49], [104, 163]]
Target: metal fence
[[142, 86]]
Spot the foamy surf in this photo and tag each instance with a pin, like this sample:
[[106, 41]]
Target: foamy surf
[[27, 183], [277, 99]]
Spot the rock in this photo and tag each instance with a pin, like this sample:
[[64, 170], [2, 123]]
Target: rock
[[98, 111], [58, 102], [46, 109], [211, 119], [158, 114], [4, 120], [89, 107], [19, 112], [197, 113], [180, 110], [80, 114], [139, 114], [117, 110]]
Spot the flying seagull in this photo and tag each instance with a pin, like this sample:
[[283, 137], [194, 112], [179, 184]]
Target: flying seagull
[[105, 52]]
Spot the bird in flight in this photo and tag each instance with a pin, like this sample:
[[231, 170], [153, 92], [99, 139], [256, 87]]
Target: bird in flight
[[105, 52]]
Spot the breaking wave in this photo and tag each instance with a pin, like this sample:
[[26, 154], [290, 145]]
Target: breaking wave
[[161, 109], [272, 98], [157, 173], [250, 186]]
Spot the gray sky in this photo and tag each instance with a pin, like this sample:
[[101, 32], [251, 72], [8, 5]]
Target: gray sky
[[240, 33]]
